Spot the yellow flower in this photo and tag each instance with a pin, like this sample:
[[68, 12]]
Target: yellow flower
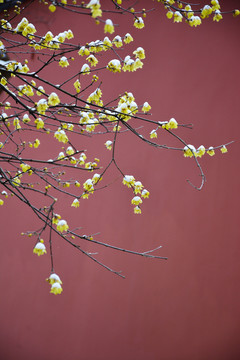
[[1, 202], [236, 13], [29, 30], [53, 99], [128, 180], [127, 38], [75, 203], [63, 62], [42, 106], [211, 151], [61, 155], [138, 187], [85, 195], [94, 5], [189, 150], [223, 149], [39, 123], [16, 181], [146, 107], [218, 16], [107, 43], [108, 144], [26, 118], [114, 65], [136, 200], [85, 69], [153, 134], [70, 150], [3, 81], [52, 8], [139, 23], [25, 167], [92, 60], [40, 248], [117, 41], [215, 5], [48, 36], [96, 178], [83, 51], [139, 53], [137, 210], [177, 17], [108, 27], [36, 143], [172, 124], [56, 218], [69, 34], [40, 91], [62, 226], [55, 282], [54, 278], [145, 193], [169, 14], [61, 136], [138, 64], [194, 21], [16, 123], [200, 151], [23, 23], [88, 185], [206, 11], [56, 289]]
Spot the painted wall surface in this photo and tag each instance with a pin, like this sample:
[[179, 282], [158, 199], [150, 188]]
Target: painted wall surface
[[186, 307]]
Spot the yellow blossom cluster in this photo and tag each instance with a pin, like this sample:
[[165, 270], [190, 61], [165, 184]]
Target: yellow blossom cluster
[[51, 42], [188, 13], [25, 28], [55, 282], [168, 125], [61, 135], [138, 188], [126, 107], [87, 119], [190, 151]]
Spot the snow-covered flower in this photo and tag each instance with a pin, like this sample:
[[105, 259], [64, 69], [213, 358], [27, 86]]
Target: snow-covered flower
[[53, 99], [137, 210], [139, 23], [61, 136], [108, 144], [138, 187], [40, 248], [136, 200], [63, 62], [146, 107], [108, 27], [114, 65], [62, 226], [75, 203], [129, 180], [223, 149], [211, 151], [189, 150], [56, 289], [145, 193]]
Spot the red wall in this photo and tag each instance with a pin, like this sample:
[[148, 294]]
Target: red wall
[[186, 307]]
